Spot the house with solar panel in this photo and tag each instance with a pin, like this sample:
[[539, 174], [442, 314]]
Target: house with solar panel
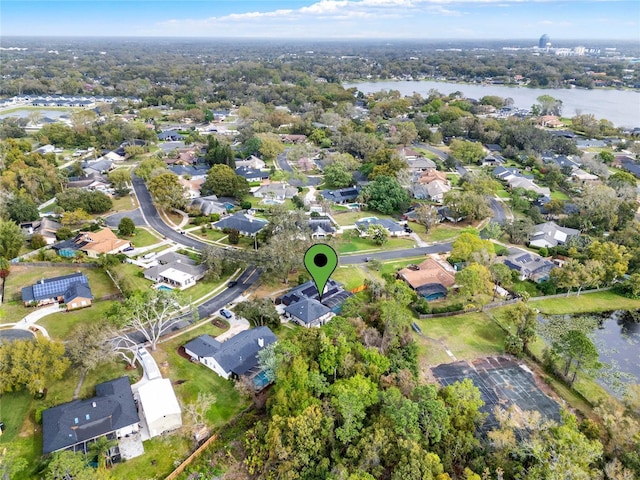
[[235, 357], [72, 290]]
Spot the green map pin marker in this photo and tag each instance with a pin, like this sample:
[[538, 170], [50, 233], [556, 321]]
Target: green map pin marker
[[320, 260]]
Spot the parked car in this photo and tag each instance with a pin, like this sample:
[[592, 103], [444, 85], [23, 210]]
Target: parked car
[[128, 249], [232, 284], [226, 313]]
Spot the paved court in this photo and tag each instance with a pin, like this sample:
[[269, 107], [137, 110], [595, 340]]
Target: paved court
[[503, 382]]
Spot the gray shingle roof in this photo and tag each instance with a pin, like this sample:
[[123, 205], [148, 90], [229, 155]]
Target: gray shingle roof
[[390, 225], [239, 354], [243, 223], [70, 423], [341, 195], [77, 290], [307, 310]]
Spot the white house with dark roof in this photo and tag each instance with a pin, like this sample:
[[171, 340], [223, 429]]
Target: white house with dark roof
[[45, 227], [75, 425], [252, 174], [236, 357], [550, 234], [308, 312], [530, 266], [393, 228], [176, 271]]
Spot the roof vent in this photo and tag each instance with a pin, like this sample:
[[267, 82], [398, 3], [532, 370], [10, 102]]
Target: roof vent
[[261, 342]]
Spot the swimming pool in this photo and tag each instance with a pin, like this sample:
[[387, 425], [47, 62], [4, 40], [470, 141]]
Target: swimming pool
[[270, 201], [261, 380], [165, 288]]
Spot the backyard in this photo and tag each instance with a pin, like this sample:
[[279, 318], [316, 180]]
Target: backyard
[[351, 242]]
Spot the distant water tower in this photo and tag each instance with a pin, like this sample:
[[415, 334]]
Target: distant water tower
[[544, 41]]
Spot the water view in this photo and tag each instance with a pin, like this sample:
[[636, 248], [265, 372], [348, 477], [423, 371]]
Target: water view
[[622, 107], [617, 339]]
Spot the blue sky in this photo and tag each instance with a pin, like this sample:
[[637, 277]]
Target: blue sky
[[430, 19]]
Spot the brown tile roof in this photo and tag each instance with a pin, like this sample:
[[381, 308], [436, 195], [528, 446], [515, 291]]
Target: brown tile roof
[[103, 241], [429, 271], [432, 174]]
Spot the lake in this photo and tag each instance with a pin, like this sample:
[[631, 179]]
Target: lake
[[622, 107], [618, 342]]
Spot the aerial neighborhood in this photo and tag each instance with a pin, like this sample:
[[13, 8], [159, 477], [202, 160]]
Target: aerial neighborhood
[[158, 321]]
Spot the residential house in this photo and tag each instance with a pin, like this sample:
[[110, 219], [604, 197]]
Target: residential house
[[252, 174], [195, 172], [308, 313], [321, 227], [176, 271], [431, 278], [493, 160], [550, 121], [97, 167], [582, 176], [170, 136], [630, 166], [408, 154], [191, 187], [247, 225], [332, 297], [433, 191], [252, 162], [493, 147], [342, 195], [515, 179], [305, 164], [92, 243], [91, 182], [393, 228], [115, 156], [431, 175], [72, 290], [275, 192], [235, 357], [550, 234], [420, 164], [290, 138], [529, 266], [211, 204], [45, 227], [46, 149], [77, 424]]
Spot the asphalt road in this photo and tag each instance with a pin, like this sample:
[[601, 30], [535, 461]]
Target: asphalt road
[[153, 218], [499, 214], [437, 152], [395, 254]]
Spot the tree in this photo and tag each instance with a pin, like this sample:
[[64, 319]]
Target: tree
[[149, 166], [260, 312], [222, 181], [468, 244], [270, 145], [196, 411], [525, 319], [37, 241], [101, 451], [427, 215], [31, 364], [578, 351], [466, 151], [66, 465], [126, 227], [153, 313], [5, 268], [351, 397], [10, 463], [493, 230], [500, 276], [519, 230], [11, 240], [337, 176], [88, 345], [167, 191], [64, 233], [76, 217], [474, 280], [606, 157], [467, 204], [549, 105], [21, 208], [385, 195], [598, 205], [120, 179], [613, 258], [378, 234]]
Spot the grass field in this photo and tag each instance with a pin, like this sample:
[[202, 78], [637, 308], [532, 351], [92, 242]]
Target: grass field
[[393, 267], [586, 303], [132, 276], [352, 216], [351, 276], [124, 204], [558, 195], [350, 242], [143, 238], [59, 325], [213, 235], [442, 233]]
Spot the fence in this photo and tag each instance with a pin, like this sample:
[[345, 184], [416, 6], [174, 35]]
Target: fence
[[173, 475], [55, 264]]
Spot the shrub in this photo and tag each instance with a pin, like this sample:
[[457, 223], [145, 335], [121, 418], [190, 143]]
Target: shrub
[[245, 205], [38, 241], [234, 236], [422, 306], [513, 345], [64, 233]]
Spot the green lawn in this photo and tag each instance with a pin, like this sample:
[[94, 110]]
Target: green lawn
[[586, 303], [202, 287], [393, 267], [59, 325], [467, 336], [350, 276], [213, 235], [350, 242], [442, 233], [502, 193], [49, 208], [124, 204], [558, 195], [131, 276], [352, 216], [160, 457], [143, 238]]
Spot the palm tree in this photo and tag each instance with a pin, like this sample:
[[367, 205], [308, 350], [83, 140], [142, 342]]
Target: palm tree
[[100, 449]]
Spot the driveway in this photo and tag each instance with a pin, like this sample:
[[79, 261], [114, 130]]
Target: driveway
[[136, 215]]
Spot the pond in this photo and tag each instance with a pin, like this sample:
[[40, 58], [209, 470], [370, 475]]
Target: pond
[[617, 338]]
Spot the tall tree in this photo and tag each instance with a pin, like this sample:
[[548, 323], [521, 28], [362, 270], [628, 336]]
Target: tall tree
[[88, 345], [11, 240], [222, 181], [385, 195], [126, 227], [167, 191]]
